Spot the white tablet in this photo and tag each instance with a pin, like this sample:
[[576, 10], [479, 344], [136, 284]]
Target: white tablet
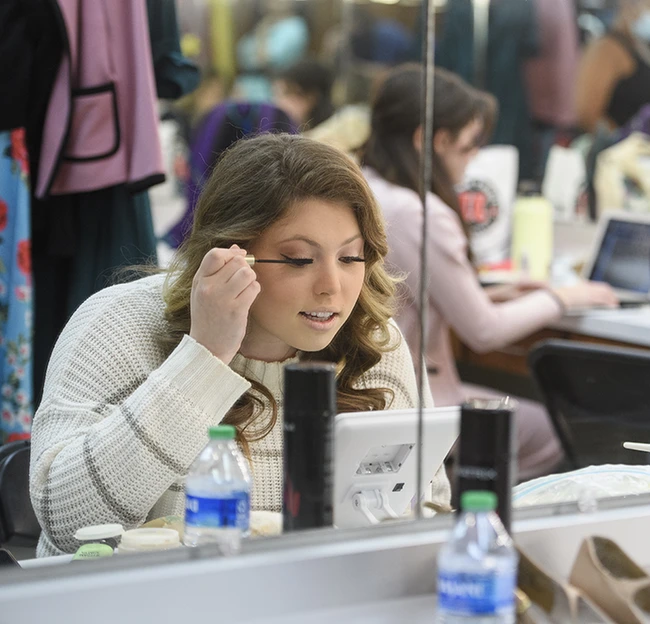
[[375, 461]]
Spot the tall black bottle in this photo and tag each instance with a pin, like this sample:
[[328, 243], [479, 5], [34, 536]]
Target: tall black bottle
[[309, 410], [486, 454]]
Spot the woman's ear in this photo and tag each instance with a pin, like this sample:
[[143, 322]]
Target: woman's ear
[[417, 138], [442, 140]]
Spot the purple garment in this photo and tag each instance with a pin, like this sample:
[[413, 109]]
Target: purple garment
[[639, 123], [224, 125], [101, 125]]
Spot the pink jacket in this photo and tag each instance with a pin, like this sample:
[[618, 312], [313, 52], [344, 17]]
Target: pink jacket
[[456, 297], [101, 123]]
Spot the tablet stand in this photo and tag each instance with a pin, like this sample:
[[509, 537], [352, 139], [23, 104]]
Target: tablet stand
[[364, 501]]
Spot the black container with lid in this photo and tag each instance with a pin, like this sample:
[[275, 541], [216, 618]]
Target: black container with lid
[[486, 454], [309, 410]]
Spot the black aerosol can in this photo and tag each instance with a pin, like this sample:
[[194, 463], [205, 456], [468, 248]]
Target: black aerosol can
[[486, 457], [309, 410]]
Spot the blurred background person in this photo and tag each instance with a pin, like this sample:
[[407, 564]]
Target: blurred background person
[[278, 40], [483, 319], [550, 78], [380, 40], [614, 76], [304, 92], [225, 124]]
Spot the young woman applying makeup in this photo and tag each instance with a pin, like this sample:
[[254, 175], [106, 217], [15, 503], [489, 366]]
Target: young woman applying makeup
[[143, 369]]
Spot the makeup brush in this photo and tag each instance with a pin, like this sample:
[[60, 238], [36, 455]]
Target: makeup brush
[[637, 446], [251, 260]]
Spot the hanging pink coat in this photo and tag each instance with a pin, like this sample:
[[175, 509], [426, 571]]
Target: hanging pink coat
[[101, 125]]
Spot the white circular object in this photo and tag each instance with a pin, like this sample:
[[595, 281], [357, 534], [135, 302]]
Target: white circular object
[[145, 540], [98, 532]]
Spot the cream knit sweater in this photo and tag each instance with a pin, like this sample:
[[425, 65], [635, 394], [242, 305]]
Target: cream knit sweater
[[121, 422]]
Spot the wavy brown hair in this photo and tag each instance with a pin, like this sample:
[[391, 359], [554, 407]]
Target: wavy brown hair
[[253, 185]]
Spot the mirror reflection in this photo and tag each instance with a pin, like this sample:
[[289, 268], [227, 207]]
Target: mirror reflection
[[301, 245], [559, 216]]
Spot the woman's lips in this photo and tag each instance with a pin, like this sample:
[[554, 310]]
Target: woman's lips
[[319, 321]]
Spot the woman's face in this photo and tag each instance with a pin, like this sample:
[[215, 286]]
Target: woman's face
[[456, 152], [293, 101], [303, 308]]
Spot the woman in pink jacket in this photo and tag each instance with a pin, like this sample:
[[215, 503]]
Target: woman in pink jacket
[[483, 320]]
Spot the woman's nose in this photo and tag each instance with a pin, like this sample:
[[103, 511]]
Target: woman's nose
[[328, 280]]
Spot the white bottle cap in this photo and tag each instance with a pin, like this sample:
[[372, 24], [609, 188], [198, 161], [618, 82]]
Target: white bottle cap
[[139, 540], [98, 532]]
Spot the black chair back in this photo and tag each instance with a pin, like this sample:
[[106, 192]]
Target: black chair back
[[17, 517], [597, 397]]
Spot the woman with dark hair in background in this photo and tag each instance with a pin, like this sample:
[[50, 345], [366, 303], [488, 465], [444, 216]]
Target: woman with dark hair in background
[[304, 92], [483, 320]]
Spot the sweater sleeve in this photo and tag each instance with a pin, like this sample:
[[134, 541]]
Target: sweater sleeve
[[457, 295], [120, 423], [396, 372]]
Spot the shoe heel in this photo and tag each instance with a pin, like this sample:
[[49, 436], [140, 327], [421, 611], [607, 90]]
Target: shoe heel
[[558, 602], [609, 577]]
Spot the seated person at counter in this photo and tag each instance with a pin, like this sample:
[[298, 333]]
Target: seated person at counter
[[614, 77], [144, 368], [484, 320]]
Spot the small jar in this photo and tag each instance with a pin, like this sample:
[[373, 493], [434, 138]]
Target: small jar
[[148, 540], [108, 534], [97, 541]]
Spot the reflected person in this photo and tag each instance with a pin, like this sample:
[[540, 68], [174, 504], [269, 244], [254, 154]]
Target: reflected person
[[144, 368], [304, 92], [614, 74], [483, 319]]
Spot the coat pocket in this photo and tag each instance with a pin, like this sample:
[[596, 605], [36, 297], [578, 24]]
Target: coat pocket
[[94, 125]]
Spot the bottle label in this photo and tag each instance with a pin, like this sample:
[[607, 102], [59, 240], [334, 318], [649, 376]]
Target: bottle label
[[476, 594], [225, 511]]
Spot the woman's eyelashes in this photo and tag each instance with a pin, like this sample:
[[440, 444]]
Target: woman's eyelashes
[[301, 262]]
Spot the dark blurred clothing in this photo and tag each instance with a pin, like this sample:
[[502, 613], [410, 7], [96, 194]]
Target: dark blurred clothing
[[513, 37], [175, 74], [632, 93], [31, 43], [384, 41]]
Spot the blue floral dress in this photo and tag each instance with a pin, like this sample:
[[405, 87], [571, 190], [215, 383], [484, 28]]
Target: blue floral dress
[[15, 289]]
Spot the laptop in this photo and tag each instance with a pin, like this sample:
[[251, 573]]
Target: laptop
[[620, 255], [376, 461]]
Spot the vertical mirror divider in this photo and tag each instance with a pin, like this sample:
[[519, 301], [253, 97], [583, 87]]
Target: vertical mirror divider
[[426, 121]]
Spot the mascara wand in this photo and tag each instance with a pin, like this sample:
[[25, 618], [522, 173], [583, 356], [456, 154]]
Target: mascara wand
[[251, 260]]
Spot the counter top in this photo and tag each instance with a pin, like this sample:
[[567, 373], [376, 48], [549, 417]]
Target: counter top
[[631, 325]]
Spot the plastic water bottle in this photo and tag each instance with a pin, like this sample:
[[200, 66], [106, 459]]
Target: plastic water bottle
[[477, 567], [217, 494]]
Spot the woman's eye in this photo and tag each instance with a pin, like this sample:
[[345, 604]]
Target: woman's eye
[[297, 262], [351, 259]]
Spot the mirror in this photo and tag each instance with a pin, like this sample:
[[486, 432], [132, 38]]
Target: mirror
[[359, 43], [234, 62], [542, 61]]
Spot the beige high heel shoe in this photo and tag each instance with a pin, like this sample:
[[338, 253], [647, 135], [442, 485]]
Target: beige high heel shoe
[[556, 602], [605, 574], [640, 604]]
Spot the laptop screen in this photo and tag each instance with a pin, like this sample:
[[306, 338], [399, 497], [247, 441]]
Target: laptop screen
[[623, 259]]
